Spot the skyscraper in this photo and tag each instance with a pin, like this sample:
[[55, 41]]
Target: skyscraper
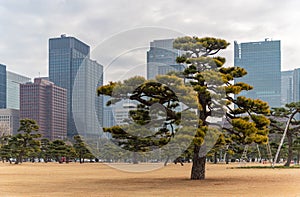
[[45, 103], [161, 58], [13, 89], [2, 86], [296, 85], [87, 107], [108, 117], [286, 87], [66, 56], [262, 60]]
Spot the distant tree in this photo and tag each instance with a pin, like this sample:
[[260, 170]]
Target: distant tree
[[296, 147], [81, 149], [45, 152], [26, 141], [5, 150], [71, 153], [286, 114], [59, 150]]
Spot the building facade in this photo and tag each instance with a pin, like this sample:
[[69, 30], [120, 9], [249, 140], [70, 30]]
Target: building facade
[[286, 87], [2, 86], [66, 56], [13, 82], [45, 103], [262, 61], [9, 121], [161, 58], [296, 85], [87, 106], [108, 117]]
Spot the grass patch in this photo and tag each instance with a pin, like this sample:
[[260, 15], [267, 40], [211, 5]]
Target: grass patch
[[268, 166]]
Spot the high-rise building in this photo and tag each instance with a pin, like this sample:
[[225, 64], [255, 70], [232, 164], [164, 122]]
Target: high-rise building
[[45, 103], [66, 56], [161, 58], [296, 85], [9, 121], [13, 82], [87, 106], [108, 117], [2, 86], [262, 60], [286, 87]]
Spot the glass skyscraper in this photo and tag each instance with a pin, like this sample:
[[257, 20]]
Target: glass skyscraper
[[161, 58], [262, 60], [296, 85], [66, 56], [13, 89], [286, 87], [87, 107], [2, 86]]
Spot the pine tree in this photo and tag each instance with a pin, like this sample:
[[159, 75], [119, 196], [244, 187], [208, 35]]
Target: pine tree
[[207, 75], [26, 141], [287, 113], [206, 86]]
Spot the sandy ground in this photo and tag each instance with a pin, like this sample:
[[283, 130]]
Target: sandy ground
[[96, 179]]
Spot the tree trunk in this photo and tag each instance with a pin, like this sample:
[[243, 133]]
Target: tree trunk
[[167, 160], [199, 159], [290, 149], [134, 158], [278, 159], [227, 158], [215, 158]]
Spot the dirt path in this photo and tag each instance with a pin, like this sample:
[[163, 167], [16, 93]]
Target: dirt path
[[101, 180]]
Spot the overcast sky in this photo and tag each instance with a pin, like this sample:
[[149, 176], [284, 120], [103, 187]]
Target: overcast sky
[[26, 26]]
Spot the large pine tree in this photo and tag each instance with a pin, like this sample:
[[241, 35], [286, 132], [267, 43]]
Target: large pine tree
[[207, 75], [205, 86]]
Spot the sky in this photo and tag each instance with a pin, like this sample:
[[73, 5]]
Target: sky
[[26, 26]]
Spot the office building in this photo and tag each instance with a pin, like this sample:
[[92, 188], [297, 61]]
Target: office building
[[87, 106], [296, 85], [9, 121], [45, 103], [286, 87], [2, 86], [161, 58], [13, 89], [66, 56], [262, 60], [108, 117]]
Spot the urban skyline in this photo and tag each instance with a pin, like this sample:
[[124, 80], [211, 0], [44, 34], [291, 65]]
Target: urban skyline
[[95, 21], [66, 54]]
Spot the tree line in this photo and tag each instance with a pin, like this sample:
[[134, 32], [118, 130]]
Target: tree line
[[28, 145]]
